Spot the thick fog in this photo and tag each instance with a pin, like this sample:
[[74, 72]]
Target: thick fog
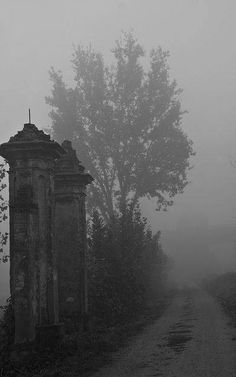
[[35, 35]]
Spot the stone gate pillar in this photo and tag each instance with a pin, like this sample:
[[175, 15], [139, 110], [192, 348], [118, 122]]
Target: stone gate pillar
[[33, 278], [70, 236]]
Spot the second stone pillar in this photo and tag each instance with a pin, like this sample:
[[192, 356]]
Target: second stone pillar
[[70, 238]]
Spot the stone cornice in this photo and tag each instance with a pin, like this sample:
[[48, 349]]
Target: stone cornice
[[30, 143], [73, 178], [30, 133]]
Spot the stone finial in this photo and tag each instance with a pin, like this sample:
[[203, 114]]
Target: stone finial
[[69, 162], [71, 157], [67, 145], [30, 133], [68, 166]]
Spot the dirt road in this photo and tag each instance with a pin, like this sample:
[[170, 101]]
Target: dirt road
[[193, 339]]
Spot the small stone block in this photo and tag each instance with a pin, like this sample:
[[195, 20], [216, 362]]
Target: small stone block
[[49, 336]]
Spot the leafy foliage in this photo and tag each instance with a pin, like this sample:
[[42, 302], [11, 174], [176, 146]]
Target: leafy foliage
[[6, 332], [126, 266], [3, 209], [125, 121]]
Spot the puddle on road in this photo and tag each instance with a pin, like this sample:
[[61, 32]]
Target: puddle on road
[[181, 333], [177, 340]]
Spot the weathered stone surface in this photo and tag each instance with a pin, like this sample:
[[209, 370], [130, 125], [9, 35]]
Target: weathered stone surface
[[70, 235], [33, 276], [45, 240]]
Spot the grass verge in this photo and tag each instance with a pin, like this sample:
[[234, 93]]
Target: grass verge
[[223, 288], [80, 356]]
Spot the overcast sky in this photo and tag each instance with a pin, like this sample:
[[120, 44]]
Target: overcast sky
[[200, 35]]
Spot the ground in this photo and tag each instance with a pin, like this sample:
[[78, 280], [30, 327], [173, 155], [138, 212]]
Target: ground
[[194, 338]]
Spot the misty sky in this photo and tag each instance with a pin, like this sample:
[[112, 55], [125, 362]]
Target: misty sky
[[200, 35]]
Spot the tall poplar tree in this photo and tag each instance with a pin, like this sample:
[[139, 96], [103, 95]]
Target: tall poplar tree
[[125, 121]]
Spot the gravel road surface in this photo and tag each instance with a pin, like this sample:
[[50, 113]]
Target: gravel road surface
[[193, 339]]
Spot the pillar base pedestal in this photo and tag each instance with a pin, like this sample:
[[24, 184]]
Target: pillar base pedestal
[[49, 336], [21, 352]]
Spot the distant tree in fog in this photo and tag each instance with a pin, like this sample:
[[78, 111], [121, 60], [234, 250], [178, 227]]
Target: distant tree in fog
[[3, 216], [125, 121]]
